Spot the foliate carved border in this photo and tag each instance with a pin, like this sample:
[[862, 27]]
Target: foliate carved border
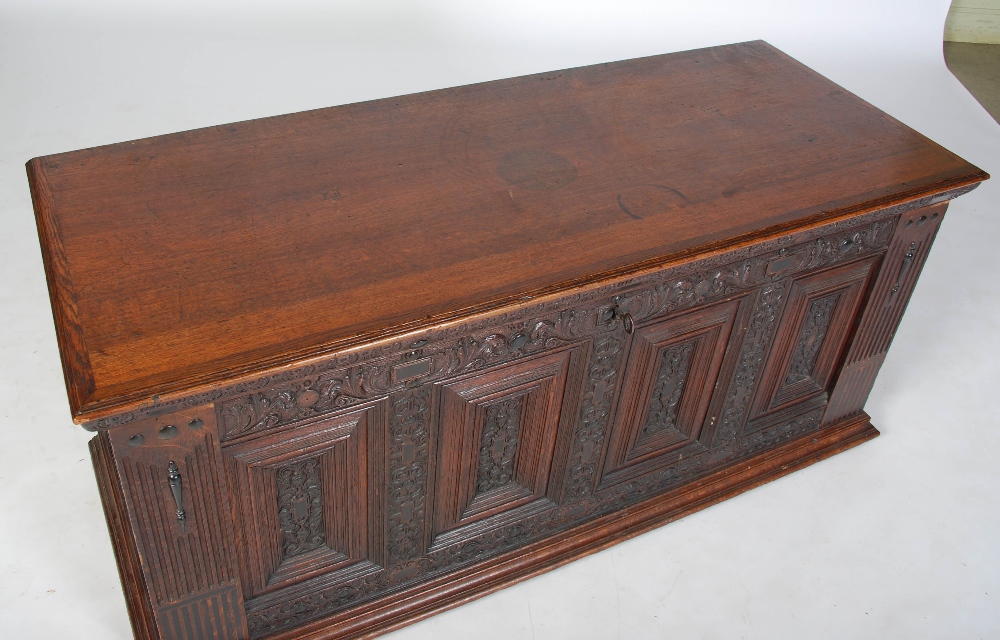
[[603, 372], [341, 380], [672, 293], [409, 434], [452, 354]]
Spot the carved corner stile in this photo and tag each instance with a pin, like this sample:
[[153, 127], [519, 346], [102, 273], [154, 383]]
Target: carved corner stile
[[174, 513], [890, 293]]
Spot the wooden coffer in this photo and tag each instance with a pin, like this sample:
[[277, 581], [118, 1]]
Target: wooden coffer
[[353, 366]]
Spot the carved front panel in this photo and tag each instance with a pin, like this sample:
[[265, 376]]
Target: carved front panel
[[814, 328], [498, 438], [668, 384], [483, 455], [306, 498]]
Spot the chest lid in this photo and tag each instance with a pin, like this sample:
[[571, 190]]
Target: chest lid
[[178, 261]]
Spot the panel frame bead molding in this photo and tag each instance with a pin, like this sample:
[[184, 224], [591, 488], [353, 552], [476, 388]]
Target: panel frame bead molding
[[360, 378]]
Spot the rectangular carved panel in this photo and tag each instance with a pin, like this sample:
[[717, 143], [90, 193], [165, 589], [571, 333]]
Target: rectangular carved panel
[[307, 507], [668, 384], [810, 340], [497, 443]]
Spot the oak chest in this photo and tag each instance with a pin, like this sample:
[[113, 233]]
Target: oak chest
[[352, 366]]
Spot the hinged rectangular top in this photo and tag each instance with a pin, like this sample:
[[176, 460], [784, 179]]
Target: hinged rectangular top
[[181, 260]]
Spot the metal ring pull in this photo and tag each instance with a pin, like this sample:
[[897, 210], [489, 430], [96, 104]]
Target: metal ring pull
[[612, 313], [627, 323]]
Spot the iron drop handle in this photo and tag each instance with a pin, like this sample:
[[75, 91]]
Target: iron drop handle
[[176, 488]]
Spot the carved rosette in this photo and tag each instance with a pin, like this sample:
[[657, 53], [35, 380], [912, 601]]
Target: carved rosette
[[302, 399]]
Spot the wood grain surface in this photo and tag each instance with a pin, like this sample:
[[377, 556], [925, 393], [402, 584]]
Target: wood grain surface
[[188, 259]]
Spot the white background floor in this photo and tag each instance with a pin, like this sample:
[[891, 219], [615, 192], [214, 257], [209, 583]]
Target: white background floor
[[899, 538]]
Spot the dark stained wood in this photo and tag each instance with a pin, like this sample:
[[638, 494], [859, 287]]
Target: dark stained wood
[[327, 494], [498, 432], [822, 308], [658, 423], [877, 324], [392, 613], [140, 611], [179, 261], [355, 366], [169, 516]]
